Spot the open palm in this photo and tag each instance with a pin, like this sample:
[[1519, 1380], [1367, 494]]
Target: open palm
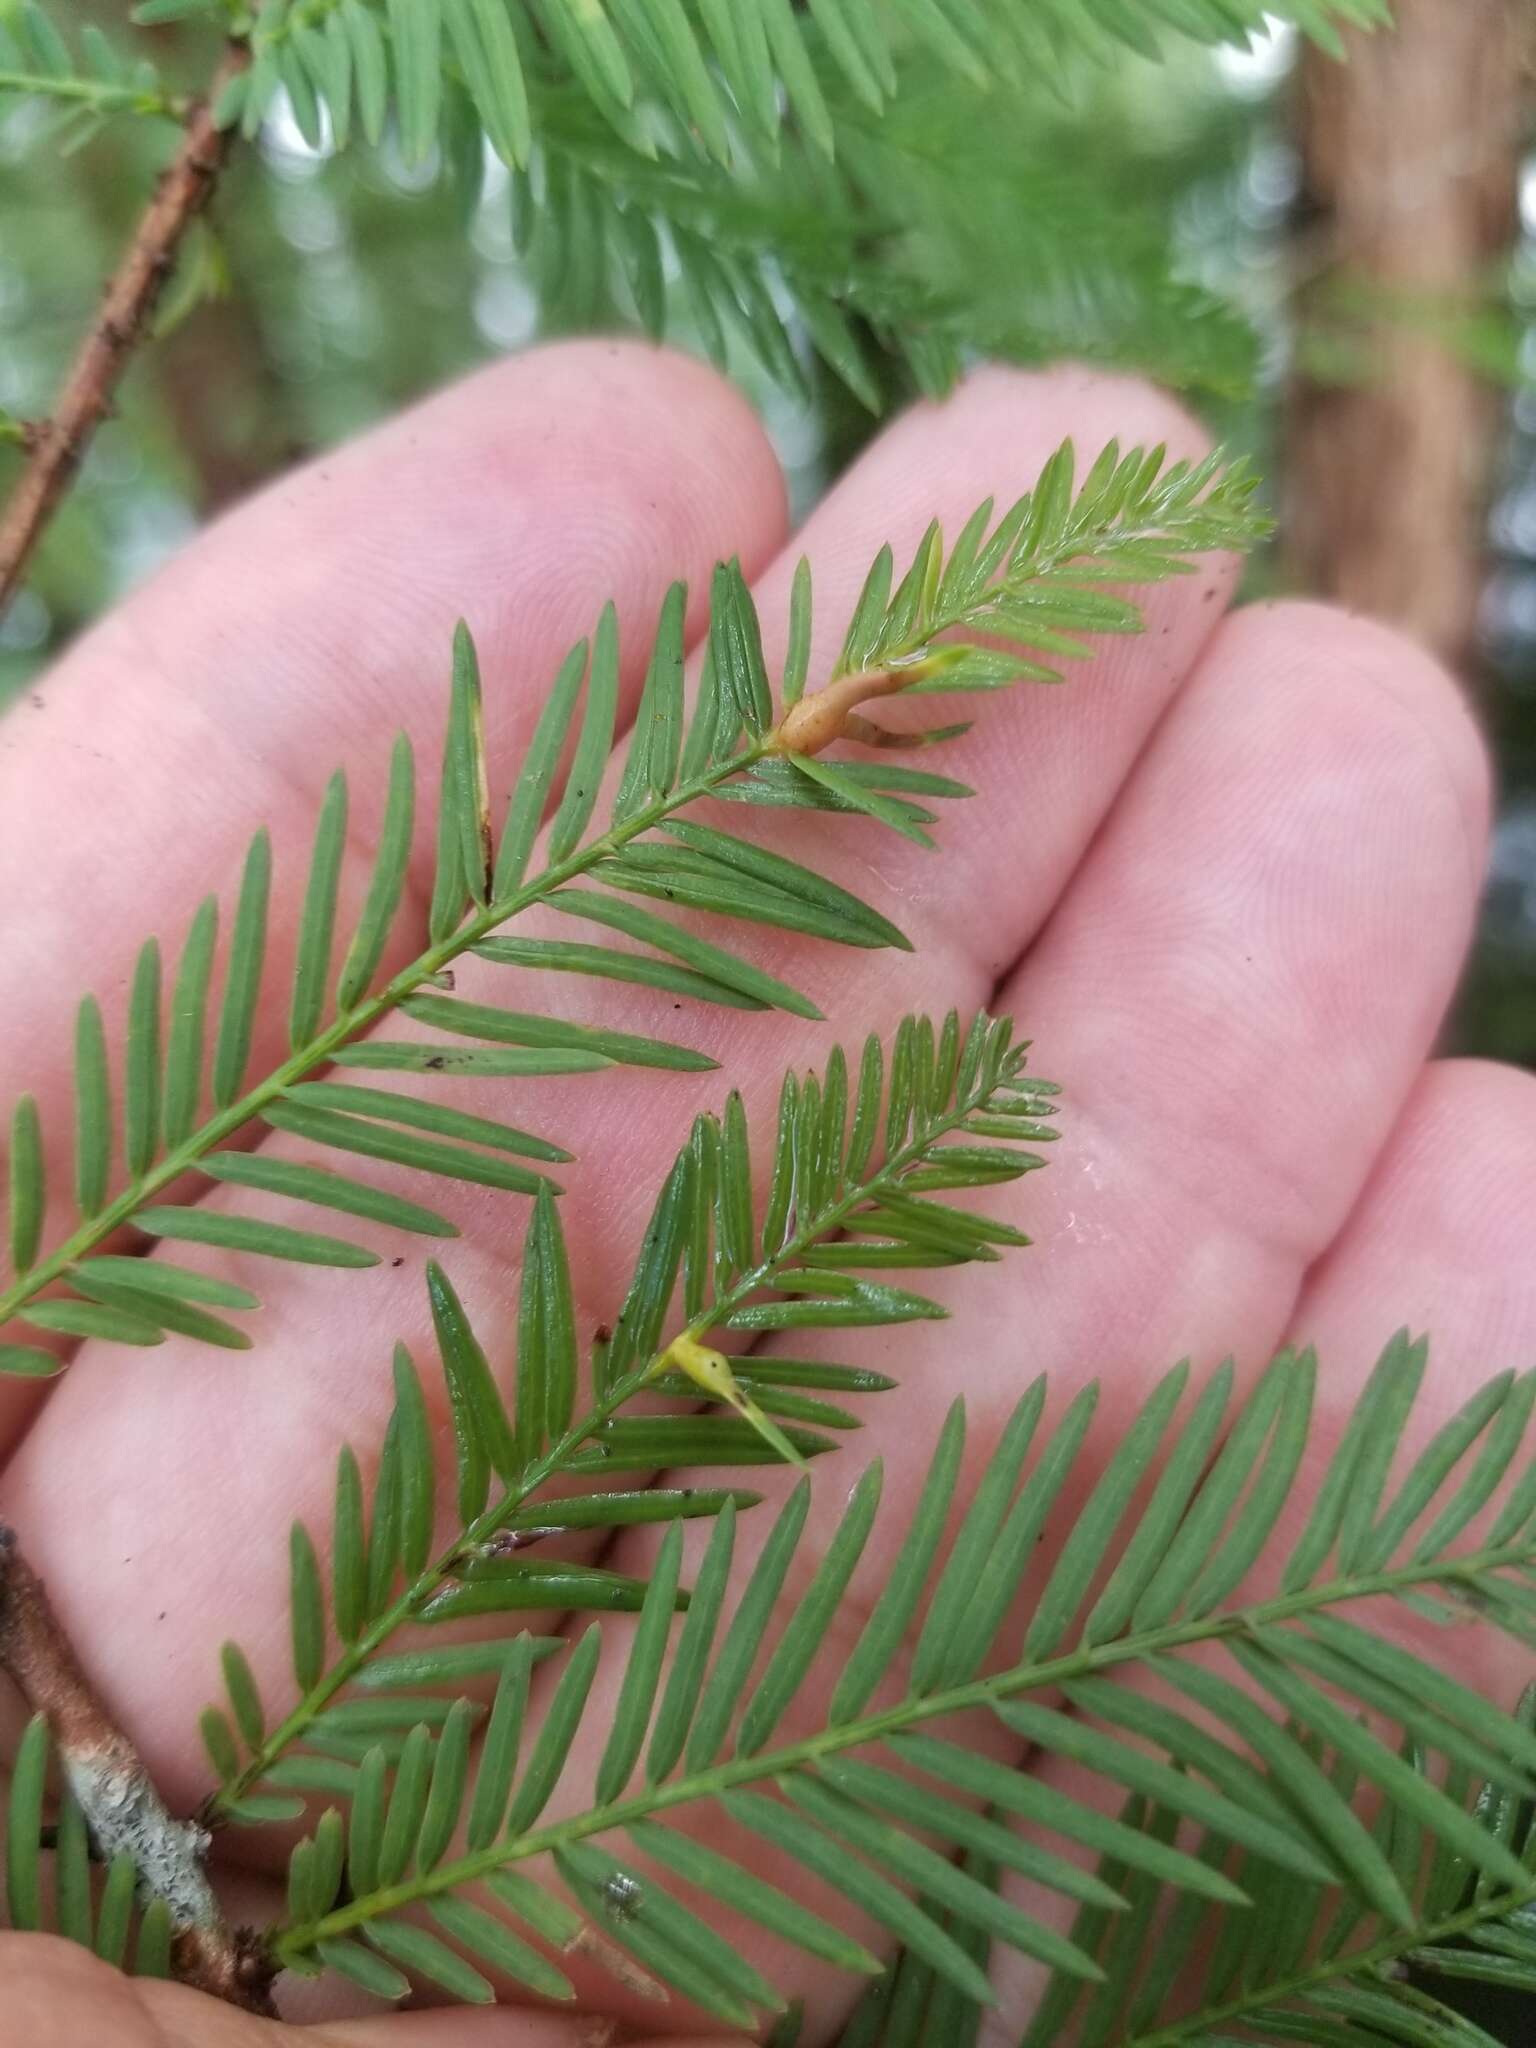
[[1225, 881]]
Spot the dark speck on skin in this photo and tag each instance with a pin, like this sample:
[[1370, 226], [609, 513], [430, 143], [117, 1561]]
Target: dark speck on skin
[[397, 1262]]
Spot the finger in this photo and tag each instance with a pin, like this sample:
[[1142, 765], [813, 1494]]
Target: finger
[[237, 1450], [1240, 989], [58, 1995], [1436, 1243], [1236, 991], [1439, 1240], [300, 632], [504, 2027]]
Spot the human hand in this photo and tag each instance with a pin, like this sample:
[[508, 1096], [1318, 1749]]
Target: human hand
[[1225, 880]]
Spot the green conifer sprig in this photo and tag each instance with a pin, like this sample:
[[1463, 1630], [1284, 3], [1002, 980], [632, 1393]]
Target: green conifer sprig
[[1310, 1962], [187, 1088], [675, 79], [851, 1191], [1138, 1650], [86, 74], [666, 76], [727, 144]]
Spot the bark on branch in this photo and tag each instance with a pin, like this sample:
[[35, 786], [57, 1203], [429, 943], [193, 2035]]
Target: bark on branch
[[59, 443], [123, 1811]]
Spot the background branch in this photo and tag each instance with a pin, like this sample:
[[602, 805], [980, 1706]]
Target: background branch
[[59, 444]]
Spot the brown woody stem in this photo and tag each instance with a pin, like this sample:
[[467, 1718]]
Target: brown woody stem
[[123, 1812], [57, 446]]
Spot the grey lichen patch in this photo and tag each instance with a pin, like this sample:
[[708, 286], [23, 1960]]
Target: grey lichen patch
[[126, 1815]]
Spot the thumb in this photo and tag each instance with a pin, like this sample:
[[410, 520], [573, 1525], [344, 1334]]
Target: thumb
[[58, 1995]]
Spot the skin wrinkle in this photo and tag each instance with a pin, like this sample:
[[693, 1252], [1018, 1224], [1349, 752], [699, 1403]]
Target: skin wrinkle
[[64, 1998], [1468, 1131]]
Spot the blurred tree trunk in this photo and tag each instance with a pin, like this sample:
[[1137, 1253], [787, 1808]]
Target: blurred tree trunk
[[1410, 156]]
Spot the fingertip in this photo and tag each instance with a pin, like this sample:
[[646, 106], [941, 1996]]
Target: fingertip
[[1383, 671], [682, 466], [1456, 1187], [1440, 1238], [990, 438], [519, 498], [1079, 402]]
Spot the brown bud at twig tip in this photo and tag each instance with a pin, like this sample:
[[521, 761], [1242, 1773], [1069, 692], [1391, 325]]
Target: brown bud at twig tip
[[812, 725], [123, 1812]]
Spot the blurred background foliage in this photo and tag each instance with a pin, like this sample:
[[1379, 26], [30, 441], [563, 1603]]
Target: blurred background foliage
[[1153, 215]]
